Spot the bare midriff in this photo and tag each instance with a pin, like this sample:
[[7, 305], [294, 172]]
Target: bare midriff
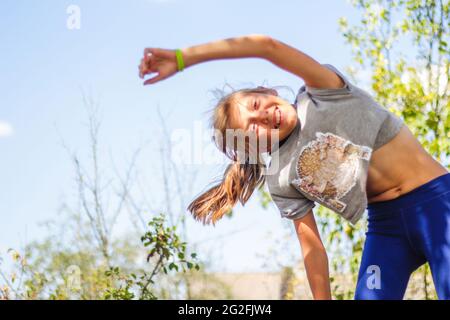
[[400, 166]]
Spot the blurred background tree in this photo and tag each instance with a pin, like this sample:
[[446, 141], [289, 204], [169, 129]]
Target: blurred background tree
[[84, 257]]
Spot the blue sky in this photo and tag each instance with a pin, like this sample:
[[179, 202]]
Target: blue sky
[[45, 67]]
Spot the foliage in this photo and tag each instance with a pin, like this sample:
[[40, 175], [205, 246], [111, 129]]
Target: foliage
[[58, 278], [419, 93], [169, 252], [81, 258], [415, 88]]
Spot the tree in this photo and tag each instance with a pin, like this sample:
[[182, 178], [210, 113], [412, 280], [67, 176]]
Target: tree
[[82, 258]]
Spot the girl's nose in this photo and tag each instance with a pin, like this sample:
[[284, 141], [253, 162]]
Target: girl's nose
[[263, 115]]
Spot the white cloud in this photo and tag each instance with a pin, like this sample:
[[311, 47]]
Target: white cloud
[[5, 129]]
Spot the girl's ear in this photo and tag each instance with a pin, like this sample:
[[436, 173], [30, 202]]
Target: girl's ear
[[268, 90]]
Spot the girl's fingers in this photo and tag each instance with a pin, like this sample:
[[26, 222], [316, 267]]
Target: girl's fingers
[[147, 51], [142, 70], [151, 63], [145, 58], [153, 80], [149, 55], [142, 73], [146, 67]]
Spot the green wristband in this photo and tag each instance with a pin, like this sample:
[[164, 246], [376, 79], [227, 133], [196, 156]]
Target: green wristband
[[180, 61]]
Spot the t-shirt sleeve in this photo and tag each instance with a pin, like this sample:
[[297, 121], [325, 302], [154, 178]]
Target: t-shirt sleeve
[[292, 208], [391, 124], [388, 130], [330, 93]]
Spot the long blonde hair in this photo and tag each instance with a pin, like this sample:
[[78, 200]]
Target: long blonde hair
[[239, 179]]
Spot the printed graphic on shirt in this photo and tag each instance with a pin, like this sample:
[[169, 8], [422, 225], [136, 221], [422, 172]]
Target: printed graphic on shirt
[[327, 168]]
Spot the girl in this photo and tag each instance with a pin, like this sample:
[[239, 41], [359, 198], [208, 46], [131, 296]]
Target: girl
[[339, 148]]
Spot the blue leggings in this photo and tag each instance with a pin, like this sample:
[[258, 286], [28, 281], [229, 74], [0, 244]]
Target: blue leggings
[[403, 234]]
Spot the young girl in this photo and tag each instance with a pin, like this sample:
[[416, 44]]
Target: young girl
[[338, 148]]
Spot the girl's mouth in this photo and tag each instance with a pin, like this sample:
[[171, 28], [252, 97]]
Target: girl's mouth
[[278, 117]]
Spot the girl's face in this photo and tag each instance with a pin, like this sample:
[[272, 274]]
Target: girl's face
[[264, 114]]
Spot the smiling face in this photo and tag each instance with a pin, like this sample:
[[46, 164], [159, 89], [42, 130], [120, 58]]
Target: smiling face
[[264, 114]]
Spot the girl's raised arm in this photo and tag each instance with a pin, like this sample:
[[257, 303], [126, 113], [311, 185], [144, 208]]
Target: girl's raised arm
[[298, 63], [164, 62]]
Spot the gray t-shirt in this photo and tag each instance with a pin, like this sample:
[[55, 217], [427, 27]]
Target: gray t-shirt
[[326, 157]]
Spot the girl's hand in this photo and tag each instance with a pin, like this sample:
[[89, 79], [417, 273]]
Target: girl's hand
[[161, 61]]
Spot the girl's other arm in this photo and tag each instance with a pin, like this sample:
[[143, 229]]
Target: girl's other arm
[[163, 61], [250, 46], [314, 256], [261, 46], [300, 64]]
